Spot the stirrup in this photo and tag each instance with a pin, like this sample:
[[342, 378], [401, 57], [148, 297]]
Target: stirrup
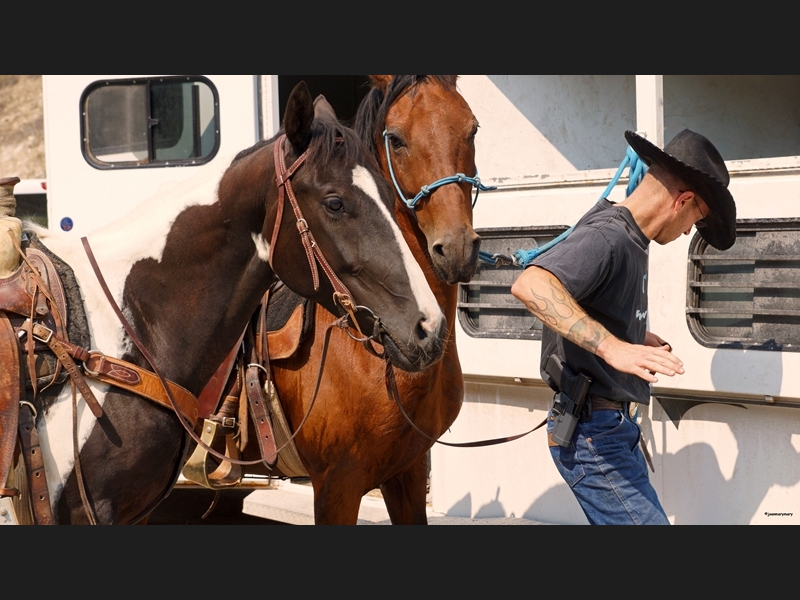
[[197, 469]]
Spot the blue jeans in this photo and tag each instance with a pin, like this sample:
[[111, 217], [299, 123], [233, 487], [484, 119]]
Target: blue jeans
[[606, 470]]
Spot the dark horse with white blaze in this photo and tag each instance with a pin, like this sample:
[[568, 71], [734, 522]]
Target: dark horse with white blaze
[[355, 439], [188, 269]]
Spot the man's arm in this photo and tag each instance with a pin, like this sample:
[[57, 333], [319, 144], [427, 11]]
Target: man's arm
[[543, 295]]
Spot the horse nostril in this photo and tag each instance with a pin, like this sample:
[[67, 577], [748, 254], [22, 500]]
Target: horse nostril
[[438, 249], [427, 327]]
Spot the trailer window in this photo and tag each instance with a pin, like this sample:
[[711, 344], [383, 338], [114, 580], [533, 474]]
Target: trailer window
[[486, 308], [160, 121], [749, 295]]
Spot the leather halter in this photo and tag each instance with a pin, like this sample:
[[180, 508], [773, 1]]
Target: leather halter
[[341, 294]]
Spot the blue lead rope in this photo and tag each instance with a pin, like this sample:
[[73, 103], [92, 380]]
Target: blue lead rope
[[522, 258]]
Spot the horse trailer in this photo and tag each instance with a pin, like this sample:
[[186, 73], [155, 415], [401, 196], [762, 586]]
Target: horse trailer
[[724, 437]]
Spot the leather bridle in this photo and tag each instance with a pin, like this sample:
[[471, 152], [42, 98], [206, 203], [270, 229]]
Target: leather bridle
[[341, 295]]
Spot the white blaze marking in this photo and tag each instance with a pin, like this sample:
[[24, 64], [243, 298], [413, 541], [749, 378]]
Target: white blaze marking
[[426, 301], [262, 247]]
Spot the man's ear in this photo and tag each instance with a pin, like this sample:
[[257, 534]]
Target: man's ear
[[683, 197]]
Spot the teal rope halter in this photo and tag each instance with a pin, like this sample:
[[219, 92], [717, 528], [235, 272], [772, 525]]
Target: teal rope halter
[[522, 258], [427, 190]]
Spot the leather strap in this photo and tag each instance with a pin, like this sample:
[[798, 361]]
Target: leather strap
[[75, 374], [282, 180], [600, 403], [391, 386], [10, 395], [144, 383], [287, 458], [43, 333], [209, 398], [34, 465], [119, 373], [258, 411]]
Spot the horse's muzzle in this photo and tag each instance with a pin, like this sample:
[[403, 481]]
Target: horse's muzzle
[[425, 349]]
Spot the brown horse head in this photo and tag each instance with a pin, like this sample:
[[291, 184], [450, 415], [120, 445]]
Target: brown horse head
[[426, 133]]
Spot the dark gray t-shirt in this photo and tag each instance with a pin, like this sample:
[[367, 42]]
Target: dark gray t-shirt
[[602, 263]]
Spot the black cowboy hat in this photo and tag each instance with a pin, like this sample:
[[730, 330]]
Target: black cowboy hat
[[694, 159]]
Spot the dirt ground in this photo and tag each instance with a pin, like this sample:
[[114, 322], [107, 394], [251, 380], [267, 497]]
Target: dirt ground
[[21, 127]]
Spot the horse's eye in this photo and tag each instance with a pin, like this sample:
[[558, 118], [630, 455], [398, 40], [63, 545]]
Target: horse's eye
[[395, 141], [334, 204]]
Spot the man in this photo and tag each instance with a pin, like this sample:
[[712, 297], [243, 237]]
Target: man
[[590, 291]]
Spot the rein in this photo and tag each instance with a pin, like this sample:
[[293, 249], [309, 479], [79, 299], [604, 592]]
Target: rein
[[394, 394], [427, 190], [341, 322]]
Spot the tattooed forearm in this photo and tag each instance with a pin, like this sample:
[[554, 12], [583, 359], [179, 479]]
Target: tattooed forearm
[[559, 311], [587, 333], [559, 307]]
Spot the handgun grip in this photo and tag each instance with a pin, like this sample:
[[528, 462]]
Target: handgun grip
[[582, 389], [555, 370]]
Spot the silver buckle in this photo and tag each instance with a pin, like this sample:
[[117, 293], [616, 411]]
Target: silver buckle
[[41, 339], [24, 331]]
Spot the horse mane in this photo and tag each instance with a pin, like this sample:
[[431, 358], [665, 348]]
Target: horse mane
[[371, 113], [326, 136]]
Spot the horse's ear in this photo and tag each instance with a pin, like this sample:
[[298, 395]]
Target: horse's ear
[[323, 107], [298, 117], [381, 82]]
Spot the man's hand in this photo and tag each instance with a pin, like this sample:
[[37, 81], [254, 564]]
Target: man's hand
[[641, 360]]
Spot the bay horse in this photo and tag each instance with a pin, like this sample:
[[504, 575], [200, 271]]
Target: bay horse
[[355, 439], [171, 288]]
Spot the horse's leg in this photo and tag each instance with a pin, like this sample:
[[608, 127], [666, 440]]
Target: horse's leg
[[336, 500], [405, 494]]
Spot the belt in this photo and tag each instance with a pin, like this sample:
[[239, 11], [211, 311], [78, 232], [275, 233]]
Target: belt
[[600, 403]]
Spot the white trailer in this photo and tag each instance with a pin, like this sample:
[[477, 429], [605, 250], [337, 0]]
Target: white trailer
[[724, 437]]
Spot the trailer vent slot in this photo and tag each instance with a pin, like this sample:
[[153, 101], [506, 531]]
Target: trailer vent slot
[[749, 295], [486, 308]]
